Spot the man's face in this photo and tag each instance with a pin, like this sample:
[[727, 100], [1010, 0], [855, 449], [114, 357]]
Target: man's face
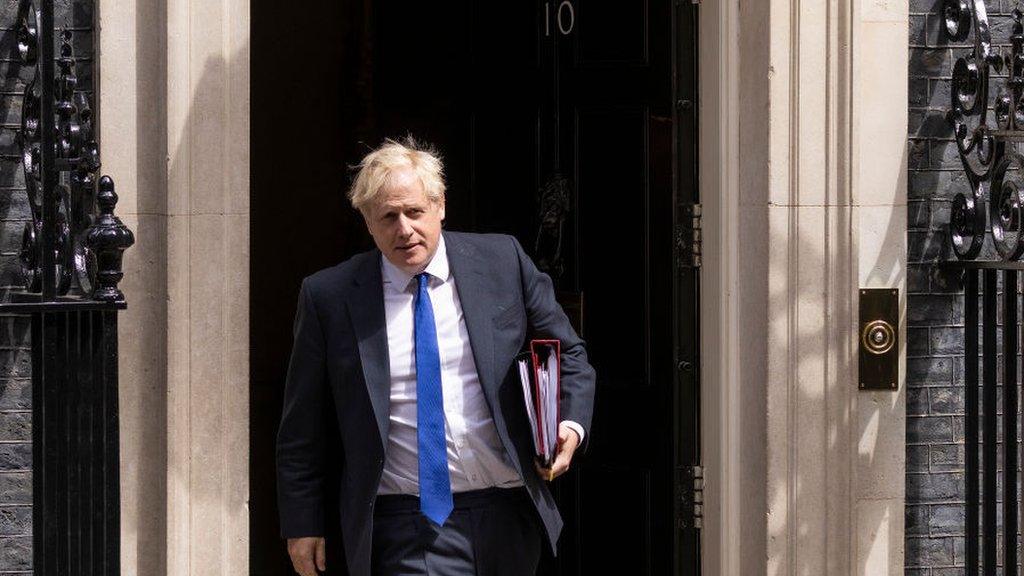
[[404, 223]]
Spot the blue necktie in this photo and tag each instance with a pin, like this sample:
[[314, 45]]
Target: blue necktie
[[435, 487]]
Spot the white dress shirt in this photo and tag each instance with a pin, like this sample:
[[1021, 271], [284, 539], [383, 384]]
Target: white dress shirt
[[476, 457]]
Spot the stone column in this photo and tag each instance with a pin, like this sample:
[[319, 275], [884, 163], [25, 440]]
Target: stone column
[[837, 220], [803, 179], [879, 193], [174, 106], [812, 290], [208, 263], [130, 69]]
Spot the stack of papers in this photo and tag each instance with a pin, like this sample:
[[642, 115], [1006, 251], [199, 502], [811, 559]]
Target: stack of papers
[[539, 375]]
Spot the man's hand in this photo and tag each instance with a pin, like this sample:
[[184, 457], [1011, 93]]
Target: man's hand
[[303, 551], [567, 443]]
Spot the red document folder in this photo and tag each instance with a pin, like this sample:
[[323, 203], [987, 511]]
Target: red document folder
[[539, 373]]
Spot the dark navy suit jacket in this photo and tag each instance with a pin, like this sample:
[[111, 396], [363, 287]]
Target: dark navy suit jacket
[[341, 349]]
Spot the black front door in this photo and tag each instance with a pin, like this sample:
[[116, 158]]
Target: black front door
[[557, 122]]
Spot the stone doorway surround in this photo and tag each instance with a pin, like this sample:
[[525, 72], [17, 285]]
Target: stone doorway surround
[[803, 122], [803, 183], [174, 128]]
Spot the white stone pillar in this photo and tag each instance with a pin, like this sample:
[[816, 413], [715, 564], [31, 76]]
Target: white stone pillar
[[879, 185], [131, 75], [174, 128], [208, 286], [812, 291], [803, 177]]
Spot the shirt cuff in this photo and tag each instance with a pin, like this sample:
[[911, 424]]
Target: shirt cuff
[[575, 428]]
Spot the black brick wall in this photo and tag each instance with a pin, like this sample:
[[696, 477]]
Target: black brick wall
[[15, 359], [935, 511]]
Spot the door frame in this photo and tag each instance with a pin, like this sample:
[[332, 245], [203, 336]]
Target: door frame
[[726, 454], [686, 387]]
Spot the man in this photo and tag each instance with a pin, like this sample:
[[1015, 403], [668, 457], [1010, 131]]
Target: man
[[414, 342]]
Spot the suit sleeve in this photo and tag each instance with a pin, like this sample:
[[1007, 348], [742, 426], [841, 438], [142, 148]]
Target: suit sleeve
[[300, 463], [547, 320]]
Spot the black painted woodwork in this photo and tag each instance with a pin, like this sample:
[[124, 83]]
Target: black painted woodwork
[[509, 106]]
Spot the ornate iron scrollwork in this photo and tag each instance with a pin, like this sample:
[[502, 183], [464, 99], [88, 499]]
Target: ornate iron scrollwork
[[980, 145], [986, 147], [87, 247]]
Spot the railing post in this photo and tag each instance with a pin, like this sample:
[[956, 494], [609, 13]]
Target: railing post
[[988, 422], [971, 417], [1010, 447]]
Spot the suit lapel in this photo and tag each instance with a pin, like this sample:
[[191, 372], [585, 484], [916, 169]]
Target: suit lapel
[[473, 285], [477, 290], [366, 308]]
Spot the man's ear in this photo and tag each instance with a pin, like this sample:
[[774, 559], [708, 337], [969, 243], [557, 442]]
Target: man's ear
[[440, 209]]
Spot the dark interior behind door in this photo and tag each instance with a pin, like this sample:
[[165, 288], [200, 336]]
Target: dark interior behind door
[[559, 123]]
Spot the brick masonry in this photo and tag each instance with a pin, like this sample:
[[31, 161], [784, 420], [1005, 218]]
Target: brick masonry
[[15, 358], [935, 510]]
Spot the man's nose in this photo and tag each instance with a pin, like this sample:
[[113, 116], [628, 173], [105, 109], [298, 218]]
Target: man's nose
[[404, 226]]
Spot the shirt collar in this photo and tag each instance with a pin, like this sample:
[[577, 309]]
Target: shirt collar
[[437, 267]]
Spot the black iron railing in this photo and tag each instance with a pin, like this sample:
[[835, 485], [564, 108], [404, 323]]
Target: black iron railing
[[985, 339], [71, 260], [987, 138]]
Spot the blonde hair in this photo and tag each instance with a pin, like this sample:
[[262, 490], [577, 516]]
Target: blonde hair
[[376, 167]]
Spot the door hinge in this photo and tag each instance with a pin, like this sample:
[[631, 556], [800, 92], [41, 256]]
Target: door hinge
[[690, 496], [688, 237]]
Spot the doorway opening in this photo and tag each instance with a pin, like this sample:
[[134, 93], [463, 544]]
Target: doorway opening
[[569, 124]]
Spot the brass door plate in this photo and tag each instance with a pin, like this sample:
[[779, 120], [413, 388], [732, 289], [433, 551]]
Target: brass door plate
[[879, 339]]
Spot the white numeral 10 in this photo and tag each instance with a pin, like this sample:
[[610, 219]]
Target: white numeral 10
[[565, 17]]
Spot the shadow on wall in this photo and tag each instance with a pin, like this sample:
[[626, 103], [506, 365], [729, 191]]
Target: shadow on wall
[[881, 416], [145, 523], [152, 475], [834, 511]]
